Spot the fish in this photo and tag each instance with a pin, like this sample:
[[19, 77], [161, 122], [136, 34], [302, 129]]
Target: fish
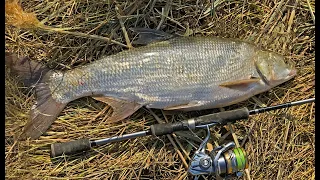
[[166, 72]]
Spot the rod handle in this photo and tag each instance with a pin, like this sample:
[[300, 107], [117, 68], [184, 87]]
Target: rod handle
[[58, 149], [223, 118], [168, 128]]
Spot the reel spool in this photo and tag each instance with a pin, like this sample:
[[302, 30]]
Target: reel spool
[[224, 161], [231, 162]]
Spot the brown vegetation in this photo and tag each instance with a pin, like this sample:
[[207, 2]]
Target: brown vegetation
[[70, 33]]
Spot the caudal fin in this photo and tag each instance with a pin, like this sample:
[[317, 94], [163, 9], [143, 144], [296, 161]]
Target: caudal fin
[[46, 109]]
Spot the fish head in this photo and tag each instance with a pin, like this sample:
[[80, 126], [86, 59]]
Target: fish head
[[274, 68]]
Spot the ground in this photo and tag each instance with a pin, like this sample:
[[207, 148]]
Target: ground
[[70, 33]]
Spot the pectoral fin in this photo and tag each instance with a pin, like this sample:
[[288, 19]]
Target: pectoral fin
[[240, 83], [184, 106], [121, 108], [147, 36]]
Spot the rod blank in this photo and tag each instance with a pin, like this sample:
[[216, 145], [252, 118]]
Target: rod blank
[[280, 106], [119, 138]]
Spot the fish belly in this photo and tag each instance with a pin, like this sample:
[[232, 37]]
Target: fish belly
[[164, 74]]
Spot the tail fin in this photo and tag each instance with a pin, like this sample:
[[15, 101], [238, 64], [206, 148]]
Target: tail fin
[[46, 109]]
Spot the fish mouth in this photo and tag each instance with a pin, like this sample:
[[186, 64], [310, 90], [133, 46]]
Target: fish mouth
[[292, 73]]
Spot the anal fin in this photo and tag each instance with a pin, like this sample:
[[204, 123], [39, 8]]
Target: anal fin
[[121, 108]]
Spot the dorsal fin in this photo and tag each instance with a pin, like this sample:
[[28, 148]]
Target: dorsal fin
[[147, 36]]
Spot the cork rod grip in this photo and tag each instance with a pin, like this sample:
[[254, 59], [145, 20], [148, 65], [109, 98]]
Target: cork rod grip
[[59, 149]]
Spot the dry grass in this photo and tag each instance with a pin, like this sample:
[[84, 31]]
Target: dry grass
[[72, 33]]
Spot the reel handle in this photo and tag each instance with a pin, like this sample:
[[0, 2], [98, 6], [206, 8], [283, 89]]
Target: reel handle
[[58, 149]]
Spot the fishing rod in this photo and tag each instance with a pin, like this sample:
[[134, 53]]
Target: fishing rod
[[219, 161]]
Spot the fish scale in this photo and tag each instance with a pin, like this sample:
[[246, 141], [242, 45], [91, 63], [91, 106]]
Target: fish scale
[[162, 74]]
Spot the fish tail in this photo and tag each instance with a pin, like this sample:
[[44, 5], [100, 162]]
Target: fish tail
[[46, 109]]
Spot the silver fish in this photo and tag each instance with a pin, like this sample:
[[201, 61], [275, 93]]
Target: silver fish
[[180, 73]]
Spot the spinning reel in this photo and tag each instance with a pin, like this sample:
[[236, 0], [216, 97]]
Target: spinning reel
[[224, 161]]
